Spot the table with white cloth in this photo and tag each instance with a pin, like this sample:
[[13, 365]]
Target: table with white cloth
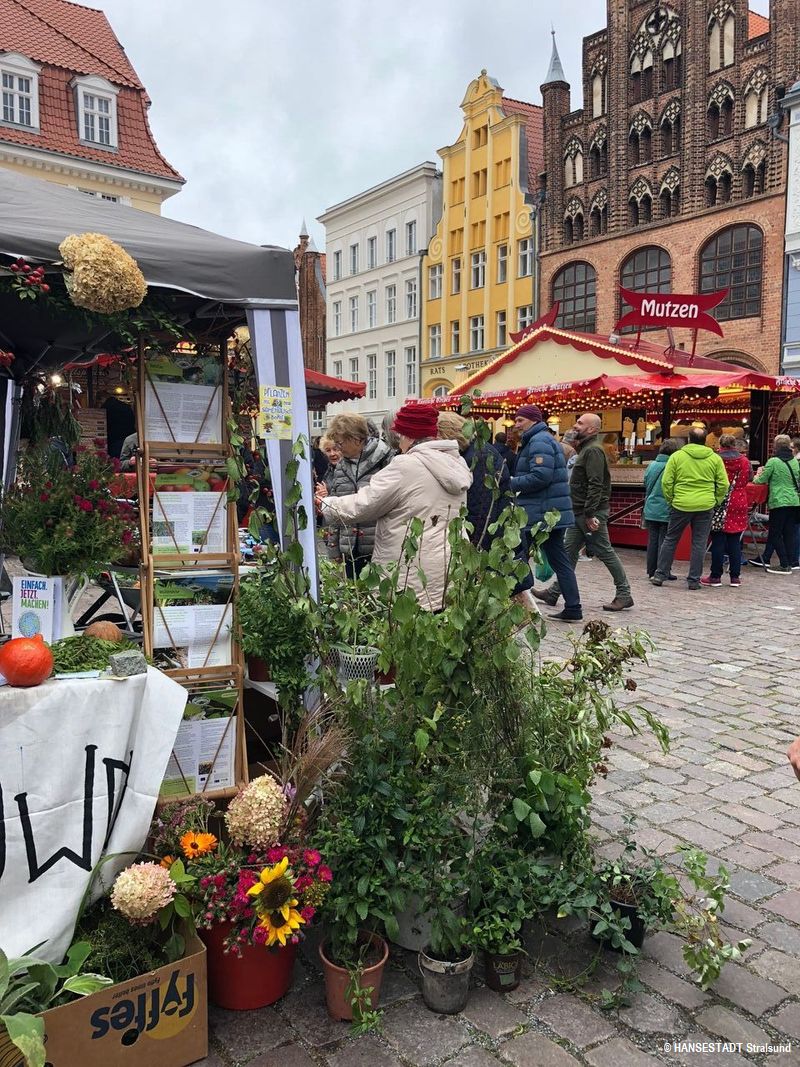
[[81, 763]]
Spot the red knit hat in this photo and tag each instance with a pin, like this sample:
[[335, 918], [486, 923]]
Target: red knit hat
[[417, 421]]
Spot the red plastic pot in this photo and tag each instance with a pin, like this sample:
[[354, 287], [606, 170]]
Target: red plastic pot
[[258, 977]]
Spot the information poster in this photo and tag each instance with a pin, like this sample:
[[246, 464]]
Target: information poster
[[203, 757], [183, 398], [189, 522], [199, 633], [275, 412], [36, 607]]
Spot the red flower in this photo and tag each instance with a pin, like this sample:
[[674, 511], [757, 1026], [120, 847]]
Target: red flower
[[308, 913], [312, 857], [44, 497], [86, 505], [94, 485], [276, 854], [303, 882], [127, 537], [48, 485], [325, 874]]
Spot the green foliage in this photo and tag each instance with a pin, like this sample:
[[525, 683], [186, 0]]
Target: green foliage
[[82, 653], [64, 521], [509, 888], [29, 985], [118, 948]]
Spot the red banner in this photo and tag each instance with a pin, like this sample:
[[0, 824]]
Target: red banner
[[672, 309]]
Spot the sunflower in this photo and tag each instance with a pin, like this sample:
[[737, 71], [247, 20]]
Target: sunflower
[[194, 845], [275, 903]]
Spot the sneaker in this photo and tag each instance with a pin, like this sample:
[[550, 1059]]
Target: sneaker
[[694, 585], [796, 566], [757, 561], [779, 570], [735, 583], [708, 580]]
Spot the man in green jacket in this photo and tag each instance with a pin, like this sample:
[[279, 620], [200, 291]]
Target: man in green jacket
[[694, 482], [590, 488]]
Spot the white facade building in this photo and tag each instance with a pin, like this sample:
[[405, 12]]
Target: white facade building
[[373, 243]]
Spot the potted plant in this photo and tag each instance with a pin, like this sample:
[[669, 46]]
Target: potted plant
[[274, 628], [446, 964], [354, 622]]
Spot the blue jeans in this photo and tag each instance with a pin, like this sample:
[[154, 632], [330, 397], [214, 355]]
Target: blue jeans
[[556, 555], [722, 545]]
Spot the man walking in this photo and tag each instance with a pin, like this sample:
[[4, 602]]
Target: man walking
[[693, 483], [590, 487], [542, 485]]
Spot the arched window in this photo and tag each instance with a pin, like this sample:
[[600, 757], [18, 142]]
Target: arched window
[[640, 140], [671, 59], [598, 93], [598, 155], [732, 260], [641, 81], [754, 171], [575, 289], [755, 100], [671, 129], [598, 220], [719, 181], [649, 270], [720, 112], [569, 230], [669, 197], [440, 390], [721, 32], [640, 203], [573, 163]]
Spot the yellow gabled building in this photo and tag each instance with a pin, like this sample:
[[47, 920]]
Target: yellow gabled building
[[479, 271]]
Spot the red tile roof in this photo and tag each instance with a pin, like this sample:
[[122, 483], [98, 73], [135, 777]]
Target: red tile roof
[[69, 39], [756, 25], [534, 126]]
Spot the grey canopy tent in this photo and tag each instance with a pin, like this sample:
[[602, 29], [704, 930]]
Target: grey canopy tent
[[209, 283]]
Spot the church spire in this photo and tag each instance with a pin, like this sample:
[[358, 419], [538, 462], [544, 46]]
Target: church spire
[[556, 71]]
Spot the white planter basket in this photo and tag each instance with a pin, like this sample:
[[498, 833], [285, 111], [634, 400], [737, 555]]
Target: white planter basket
[[356, 663]]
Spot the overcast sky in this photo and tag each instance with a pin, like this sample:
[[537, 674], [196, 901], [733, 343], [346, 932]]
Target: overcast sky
[[276, 109]]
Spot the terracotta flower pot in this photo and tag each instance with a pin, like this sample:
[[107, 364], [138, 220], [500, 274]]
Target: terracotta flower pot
[[258, 670], [258, 977], [337, 980]]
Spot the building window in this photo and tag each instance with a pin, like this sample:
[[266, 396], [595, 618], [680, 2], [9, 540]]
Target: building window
[[573, 163], [391, 246], [598, 158], [440, 390], [598, 218], [354, 368], [647, 271], [479, 183], [337, 368], [391, 374], [372, 252], [20, 95], [411, 298], [476, 331], [525, 257], [502, 333], [501, 224], [641, 80], [672, 69], [354, 259], [435, 282], [670, 202], [573, 227], [721, 42], [502, 173], [753, 179], [456, 275], [456, 244], [718, 186], [372, 308], [435, 341], [732, 260], [755, 100], [411, 371], [671, 135], [353, 314], [317, 420], [502, 263], [524, 316], [478, 275], [411, 238], [372, 376], [480, 136], [575, 289], [457, 191], [96, 116], [337, 318], [391, 303], [478, 234], [598, 94], [455, 337]]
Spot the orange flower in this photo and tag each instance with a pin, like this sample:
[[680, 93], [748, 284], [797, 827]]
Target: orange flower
[[167, 861], [194, 845]]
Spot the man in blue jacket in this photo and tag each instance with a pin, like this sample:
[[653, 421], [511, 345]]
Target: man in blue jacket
[[541, 484]]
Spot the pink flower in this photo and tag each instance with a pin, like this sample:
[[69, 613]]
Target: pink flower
[[308, 913], [325, 874], [127, 537], [85, 505], [44, 497], [312, 857], [276, 854], [94, 485], [259, 935]]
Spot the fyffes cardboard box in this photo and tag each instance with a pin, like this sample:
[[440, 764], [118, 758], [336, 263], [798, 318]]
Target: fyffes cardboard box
[[158, 1018]]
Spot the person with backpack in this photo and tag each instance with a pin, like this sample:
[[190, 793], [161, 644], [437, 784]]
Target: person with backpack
[[730, 520], [782, 474], [655, 512]]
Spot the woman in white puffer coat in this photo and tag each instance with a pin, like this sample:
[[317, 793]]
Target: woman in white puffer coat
[[427, 481]]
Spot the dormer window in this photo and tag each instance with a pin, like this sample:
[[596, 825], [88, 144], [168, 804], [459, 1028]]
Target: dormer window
[[19, 81], [96, 102]]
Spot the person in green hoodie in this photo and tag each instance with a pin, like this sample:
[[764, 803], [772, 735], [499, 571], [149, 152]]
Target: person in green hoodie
[[693, 483], [782, 474], [656, 510]]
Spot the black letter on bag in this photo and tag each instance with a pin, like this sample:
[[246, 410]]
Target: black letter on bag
[[84, 860], [114, 805]]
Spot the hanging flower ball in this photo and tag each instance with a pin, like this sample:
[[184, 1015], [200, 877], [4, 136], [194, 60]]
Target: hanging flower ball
[[102, 276]]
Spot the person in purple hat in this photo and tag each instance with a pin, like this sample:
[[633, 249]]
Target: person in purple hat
[[541, 484]]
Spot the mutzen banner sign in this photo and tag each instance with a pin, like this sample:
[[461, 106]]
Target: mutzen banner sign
[[650, 310]]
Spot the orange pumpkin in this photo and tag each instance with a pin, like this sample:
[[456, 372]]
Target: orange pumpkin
[[26, 661]]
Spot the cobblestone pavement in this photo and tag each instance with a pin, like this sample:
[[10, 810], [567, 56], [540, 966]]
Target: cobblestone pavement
[[723, 677]]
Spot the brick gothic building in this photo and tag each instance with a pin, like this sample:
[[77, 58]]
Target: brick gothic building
[[671, 177], [310, 273]]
